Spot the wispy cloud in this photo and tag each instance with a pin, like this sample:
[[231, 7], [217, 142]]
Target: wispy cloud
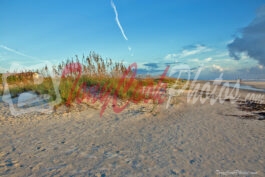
[[15, 51], [117, 19], [194, 49], [188, 51]]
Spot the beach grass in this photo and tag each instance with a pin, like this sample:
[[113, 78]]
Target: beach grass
[[78, 76]]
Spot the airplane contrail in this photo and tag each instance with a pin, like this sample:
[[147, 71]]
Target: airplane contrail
[[15, 51], [117, 19]]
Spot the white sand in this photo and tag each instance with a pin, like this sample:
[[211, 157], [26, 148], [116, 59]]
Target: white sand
[[184, 140]]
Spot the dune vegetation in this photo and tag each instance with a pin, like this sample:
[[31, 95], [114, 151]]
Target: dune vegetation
[[78, 76]]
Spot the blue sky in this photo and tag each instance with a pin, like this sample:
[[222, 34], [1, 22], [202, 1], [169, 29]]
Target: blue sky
[[206, 33]]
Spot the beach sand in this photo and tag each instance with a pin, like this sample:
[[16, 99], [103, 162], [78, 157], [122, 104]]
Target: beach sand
[[260, 85], [184, 140]]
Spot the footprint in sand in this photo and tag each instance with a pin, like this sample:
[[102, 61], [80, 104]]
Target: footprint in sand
[[10, 163]]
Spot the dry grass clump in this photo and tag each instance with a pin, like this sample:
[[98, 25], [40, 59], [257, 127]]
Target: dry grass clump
[[90, 77]]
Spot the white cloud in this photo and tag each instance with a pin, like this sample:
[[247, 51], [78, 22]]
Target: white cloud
[[208, 59], [171, 56], [188, 51], [218, 68], [244, 56], [117, 19], [221, 55], [198, 49]]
